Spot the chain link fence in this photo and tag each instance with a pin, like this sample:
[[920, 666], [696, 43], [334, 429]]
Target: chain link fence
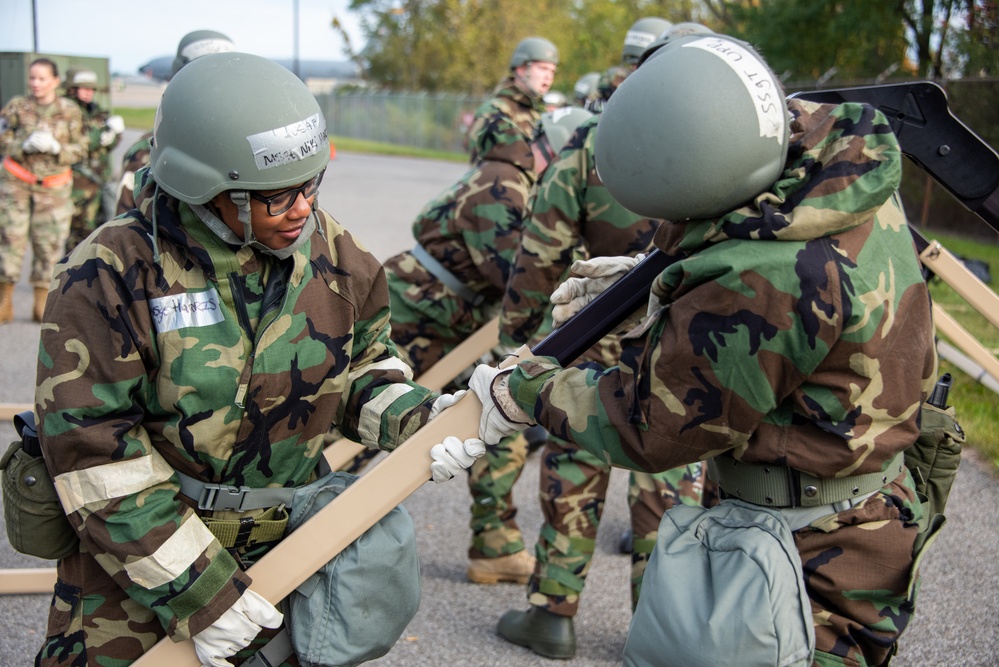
[[437, 121]]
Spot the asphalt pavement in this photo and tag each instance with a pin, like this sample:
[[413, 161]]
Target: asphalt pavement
[[376, 198]]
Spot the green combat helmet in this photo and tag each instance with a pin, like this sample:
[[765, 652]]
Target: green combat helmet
[[534, 49], [80, 78], [558, 125], [215, 131], [695, 132], [641, 33], [675, 31], [199, 43], [586, 88]]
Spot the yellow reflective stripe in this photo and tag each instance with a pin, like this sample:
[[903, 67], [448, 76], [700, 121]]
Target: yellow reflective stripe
[[174, 556], [370, 422], [79, 488]]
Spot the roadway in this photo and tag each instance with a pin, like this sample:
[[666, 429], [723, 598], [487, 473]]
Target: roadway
[[376, 198]]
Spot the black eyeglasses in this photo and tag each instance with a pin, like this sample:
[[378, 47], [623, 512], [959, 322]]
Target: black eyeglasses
[[282, 201]]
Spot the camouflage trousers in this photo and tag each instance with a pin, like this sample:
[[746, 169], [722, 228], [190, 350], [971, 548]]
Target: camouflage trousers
[[87, 200], [93, 622], [491, 479], [573, 490], [861, 576], [38, 212]]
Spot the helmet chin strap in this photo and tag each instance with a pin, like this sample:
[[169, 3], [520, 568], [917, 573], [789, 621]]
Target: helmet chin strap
[[241, 198]]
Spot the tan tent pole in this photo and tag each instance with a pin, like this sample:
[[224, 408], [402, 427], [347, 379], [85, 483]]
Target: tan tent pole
[[10, 410], [470, 350], [964, 341], [952, 271], [27, 581]]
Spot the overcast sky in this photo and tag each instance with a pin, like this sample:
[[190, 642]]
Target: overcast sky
[[133, 32]]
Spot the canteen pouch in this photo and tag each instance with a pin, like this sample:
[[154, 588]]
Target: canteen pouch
[[357, 606], [723, 584], [933, 461], [35, 521]]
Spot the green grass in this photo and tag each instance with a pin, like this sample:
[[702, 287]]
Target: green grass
[[977, 407], [142, 119], [136, 119], [376, 148]]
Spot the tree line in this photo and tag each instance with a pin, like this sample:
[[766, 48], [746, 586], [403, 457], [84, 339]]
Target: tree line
[[464, 46]]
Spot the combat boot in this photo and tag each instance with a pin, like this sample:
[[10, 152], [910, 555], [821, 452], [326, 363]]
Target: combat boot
[[515, 568], [541, 631], [6, 302], [41, 295]]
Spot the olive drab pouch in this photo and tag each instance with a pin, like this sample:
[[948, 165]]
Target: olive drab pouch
[[357, 606], [933, 461], [35, 521], [723, 586]]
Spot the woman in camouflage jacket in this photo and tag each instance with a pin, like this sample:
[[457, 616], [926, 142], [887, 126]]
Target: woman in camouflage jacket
[[216, 335]]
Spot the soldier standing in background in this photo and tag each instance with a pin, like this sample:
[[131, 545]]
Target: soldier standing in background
[[192, 45], [518, 97], [103, 132], [41, 136]]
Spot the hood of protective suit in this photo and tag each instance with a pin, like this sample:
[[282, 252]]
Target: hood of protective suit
[[843, 163]]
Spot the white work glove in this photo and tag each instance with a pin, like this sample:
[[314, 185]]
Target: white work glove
[[235, 629], [501, 416], [445, 401], [595, 276], [107, 137], [115, 123], [41, 141], [452, 456]]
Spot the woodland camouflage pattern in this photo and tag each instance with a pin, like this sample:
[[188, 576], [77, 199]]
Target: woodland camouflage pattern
[[41, 212], [574, 217], [135, 158], [124, 399], [798, 332], [511, 102], [90, 174], [573, 491], [473, 230]]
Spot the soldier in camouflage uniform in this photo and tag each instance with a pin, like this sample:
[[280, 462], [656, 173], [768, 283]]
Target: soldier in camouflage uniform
[[192, 45], [41, 135], [793, 329], [574, 217], [246, 277], [517, 98], [103, 132], [452, 284]]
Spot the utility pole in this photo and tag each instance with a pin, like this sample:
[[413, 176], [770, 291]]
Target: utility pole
[[294, 62], [34, 25]]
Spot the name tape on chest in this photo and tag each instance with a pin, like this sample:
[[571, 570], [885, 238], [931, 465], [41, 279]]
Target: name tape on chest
[[200, 309]]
